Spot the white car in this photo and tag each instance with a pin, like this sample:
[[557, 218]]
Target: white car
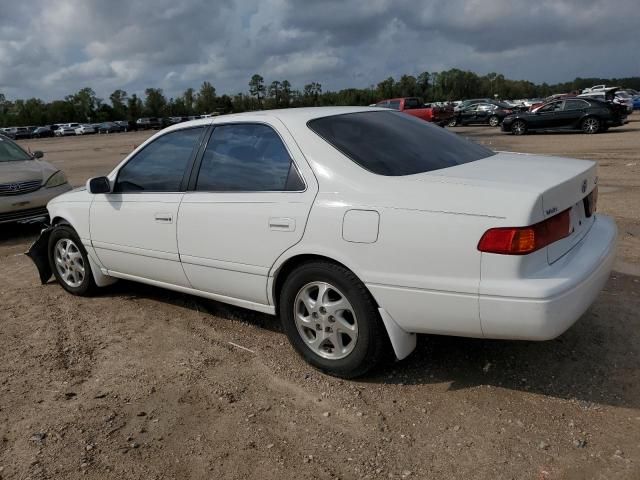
[[613, 94], [356, 225], [64, 131], [85, 129]]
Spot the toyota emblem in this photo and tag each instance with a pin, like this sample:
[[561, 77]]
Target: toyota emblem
[[14, 187]]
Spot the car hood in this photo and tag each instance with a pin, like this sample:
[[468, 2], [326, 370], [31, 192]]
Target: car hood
[[26, 170]]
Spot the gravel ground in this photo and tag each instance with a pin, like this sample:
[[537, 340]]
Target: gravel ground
[[141, 383]]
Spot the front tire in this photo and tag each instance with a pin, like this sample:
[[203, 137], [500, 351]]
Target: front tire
[[453, 122], [518, 127], [590, 125], [69, 261], [331, 319], [494, 121]]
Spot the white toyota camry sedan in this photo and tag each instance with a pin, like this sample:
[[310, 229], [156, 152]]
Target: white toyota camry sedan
[[359, 227]]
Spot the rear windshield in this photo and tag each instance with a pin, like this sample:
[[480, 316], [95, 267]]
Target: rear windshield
[[394, 143]]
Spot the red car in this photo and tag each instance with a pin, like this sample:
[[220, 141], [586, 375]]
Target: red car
[[414, 106]]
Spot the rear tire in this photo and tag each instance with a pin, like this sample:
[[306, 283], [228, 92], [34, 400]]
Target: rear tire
[[494, 121], [590, 125], [69, 262], [453, 122], [331, 319], [518, 127]]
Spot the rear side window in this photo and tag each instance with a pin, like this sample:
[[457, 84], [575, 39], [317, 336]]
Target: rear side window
[[394, 143], [160, 166], [575, 104], [247, 158]]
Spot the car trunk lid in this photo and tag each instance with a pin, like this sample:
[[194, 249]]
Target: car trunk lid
[[562, 184]]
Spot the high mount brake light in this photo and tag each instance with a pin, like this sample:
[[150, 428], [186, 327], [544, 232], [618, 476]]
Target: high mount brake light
[[524, 240]]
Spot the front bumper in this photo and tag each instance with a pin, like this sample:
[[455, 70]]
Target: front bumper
[[557, 297], [29, 206]]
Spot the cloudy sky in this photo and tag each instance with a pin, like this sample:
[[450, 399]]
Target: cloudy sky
[[49, 49]]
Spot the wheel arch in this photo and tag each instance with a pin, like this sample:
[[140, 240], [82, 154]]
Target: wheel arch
[[402, 342], [291, 263]]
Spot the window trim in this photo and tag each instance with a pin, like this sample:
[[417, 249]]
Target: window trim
[[187, 172], [193, 178]]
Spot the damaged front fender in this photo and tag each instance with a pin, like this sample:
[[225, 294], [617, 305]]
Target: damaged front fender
[[39, 253]]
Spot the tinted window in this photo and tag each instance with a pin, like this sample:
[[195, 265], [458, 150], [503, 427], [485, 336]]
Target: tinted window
[[247, 158], [575, 104], [395, 104], [393, 143], [551, 107], [411, 103], [160, 166]]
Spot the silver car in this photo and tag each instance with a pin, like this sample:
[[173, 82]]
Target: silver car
[[26, 183]]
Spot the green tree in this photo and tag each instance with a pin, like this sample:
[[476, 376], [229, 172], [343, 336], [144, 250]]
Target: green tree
[[155, 102], [85, 104], [207, 101], [134, 107], [189, 99], [119, 103], [275, 92], [257, 88]]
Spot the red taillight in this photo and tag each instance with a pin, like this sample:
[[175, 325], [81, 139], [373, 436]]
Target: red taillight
[[523, 240]]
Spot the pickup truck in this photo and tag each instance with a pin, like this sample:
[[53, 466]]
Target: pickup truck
[[414, 106]]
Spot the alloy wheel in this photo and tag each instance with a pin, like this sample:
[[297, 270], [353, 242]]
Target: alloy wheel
[[519, 127], [69, 262], [591, 125], [325, 320]]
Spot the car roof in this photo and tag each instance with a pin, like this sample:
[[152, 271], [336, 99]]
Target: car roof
[[286, 115]]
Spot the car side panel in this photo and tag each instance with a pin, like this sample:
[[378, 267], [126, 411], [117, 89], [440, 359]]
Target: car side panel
[[419, 258]]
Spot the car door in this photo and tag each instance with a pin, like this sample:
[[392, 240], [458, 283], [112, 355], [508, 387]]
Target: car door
[[133, 229], [247, 204], [482, 113], [572, 112], [467, 115], [548, 116]]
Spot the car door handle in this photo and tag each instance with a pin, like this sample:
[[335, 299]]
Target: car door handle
[[282, 224], [164, 218]]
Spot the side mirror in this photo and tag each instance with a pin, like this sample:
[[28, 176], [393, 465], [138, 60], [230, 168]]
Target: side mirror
[[38, 154], [99, 185]]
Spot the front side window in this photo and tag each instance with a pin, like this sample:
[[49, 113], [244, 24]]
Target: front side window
[[393, 143], [160, 166], [247, 158], [551, 107]]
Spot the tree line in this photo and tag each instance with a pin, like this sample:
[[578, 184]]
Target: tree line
[[453, 84]]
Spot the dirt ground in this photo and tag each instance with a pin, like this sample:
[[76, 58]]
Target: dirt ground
[[142, 383]]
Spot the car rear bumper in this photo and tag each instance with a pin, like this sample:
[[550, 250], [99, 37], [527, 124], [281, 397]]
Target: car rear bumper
[[556, 298], [29, 206]]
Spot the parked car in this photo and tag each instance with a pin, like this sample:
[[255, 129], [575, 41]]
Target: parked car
[[85, 129], [17, 133], [149, 123], [359, 227], [586, 114], [465, 103], [64, 131], [27, 183], [613, 94], [109, 127], [481, 113], [42, 132], [126, 126], [414, 106], [636, 102]]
